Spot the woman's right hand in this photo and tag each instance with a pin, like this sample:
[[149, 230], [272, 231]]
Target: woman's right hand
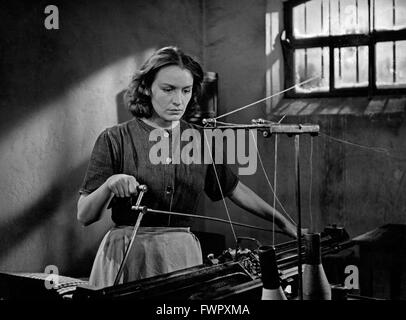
[[122, 185]]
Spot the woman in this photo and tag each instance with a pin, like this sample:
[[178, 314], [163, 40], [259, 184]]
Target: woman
[[167, 84]]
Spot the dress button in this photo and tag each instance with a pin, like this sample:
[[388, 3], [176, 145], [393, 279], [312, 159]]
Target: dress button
[[166, 134], [168, 160]]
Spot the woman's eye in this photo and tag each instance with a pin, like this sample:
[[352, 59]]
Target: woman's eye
[[167, 89], [187, 91]]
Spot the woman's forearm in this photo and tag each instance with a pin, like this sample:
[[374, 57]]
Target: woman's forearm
[[247, 199], [91, 206]]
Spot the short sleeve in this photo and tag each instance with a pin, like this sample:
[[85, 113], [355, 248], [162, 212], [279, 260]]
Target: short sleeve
[[228, 181], [101, 165]]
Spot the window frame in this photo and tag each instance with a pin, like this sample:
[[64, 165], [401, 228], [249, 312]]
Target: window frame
[[337, 41]]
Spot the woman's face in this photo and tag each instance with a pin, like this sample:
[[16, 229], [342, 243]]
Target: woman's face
[[171, 92]]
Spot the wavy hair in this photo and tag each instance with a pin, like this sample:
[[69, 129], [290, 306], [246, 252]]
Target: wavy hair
[[137, 95]]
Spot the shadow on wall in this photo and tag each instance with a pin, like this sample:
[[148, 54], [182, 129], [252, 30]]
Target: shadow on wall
[[16, 230], [53, 216], [39, 65]]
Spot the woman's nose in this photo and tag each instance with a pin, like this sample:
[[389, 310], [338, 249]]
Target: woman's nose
[[177, 98]]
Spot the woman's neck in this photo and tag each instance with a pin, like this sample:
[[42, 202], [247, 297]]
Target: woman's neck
[[159, 123]]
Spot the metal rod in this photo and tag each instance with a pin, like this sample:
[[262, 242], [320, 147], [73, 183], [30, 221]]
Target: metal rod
[[142, 189], [274, 128], [329, 17], [373, 16], [322, 18], [357, 62], [305, 18], [305, 62], [394, 61], [322, 62], [299, 220], [147, 210]]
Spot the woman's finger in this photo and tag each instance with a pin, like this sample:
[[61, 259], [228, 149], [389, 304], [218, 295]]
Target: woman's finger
[[132, 186], [120, 190]]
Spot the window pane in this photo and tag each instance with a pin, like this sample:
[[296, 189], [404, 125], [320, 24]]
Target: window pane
[[390, 72], [401, 63], [314, 18], [400, 14], [309, 63], [383, 14], [299, 21], [311, 19], [390, 14], [384, 64], [349, 16], [351, 67], [363, 20]]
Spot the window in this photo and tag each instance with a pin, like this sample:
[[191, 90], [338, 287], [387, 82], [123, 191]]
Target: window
[[345, 47]]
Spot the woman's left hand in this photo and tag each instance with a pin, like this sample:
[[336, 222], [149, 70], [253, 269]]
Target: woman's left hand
[[291, 230]]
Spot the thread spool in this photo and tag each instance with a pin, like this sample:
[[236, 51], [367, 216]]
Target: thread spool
[[315, 283], [271, 287]]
